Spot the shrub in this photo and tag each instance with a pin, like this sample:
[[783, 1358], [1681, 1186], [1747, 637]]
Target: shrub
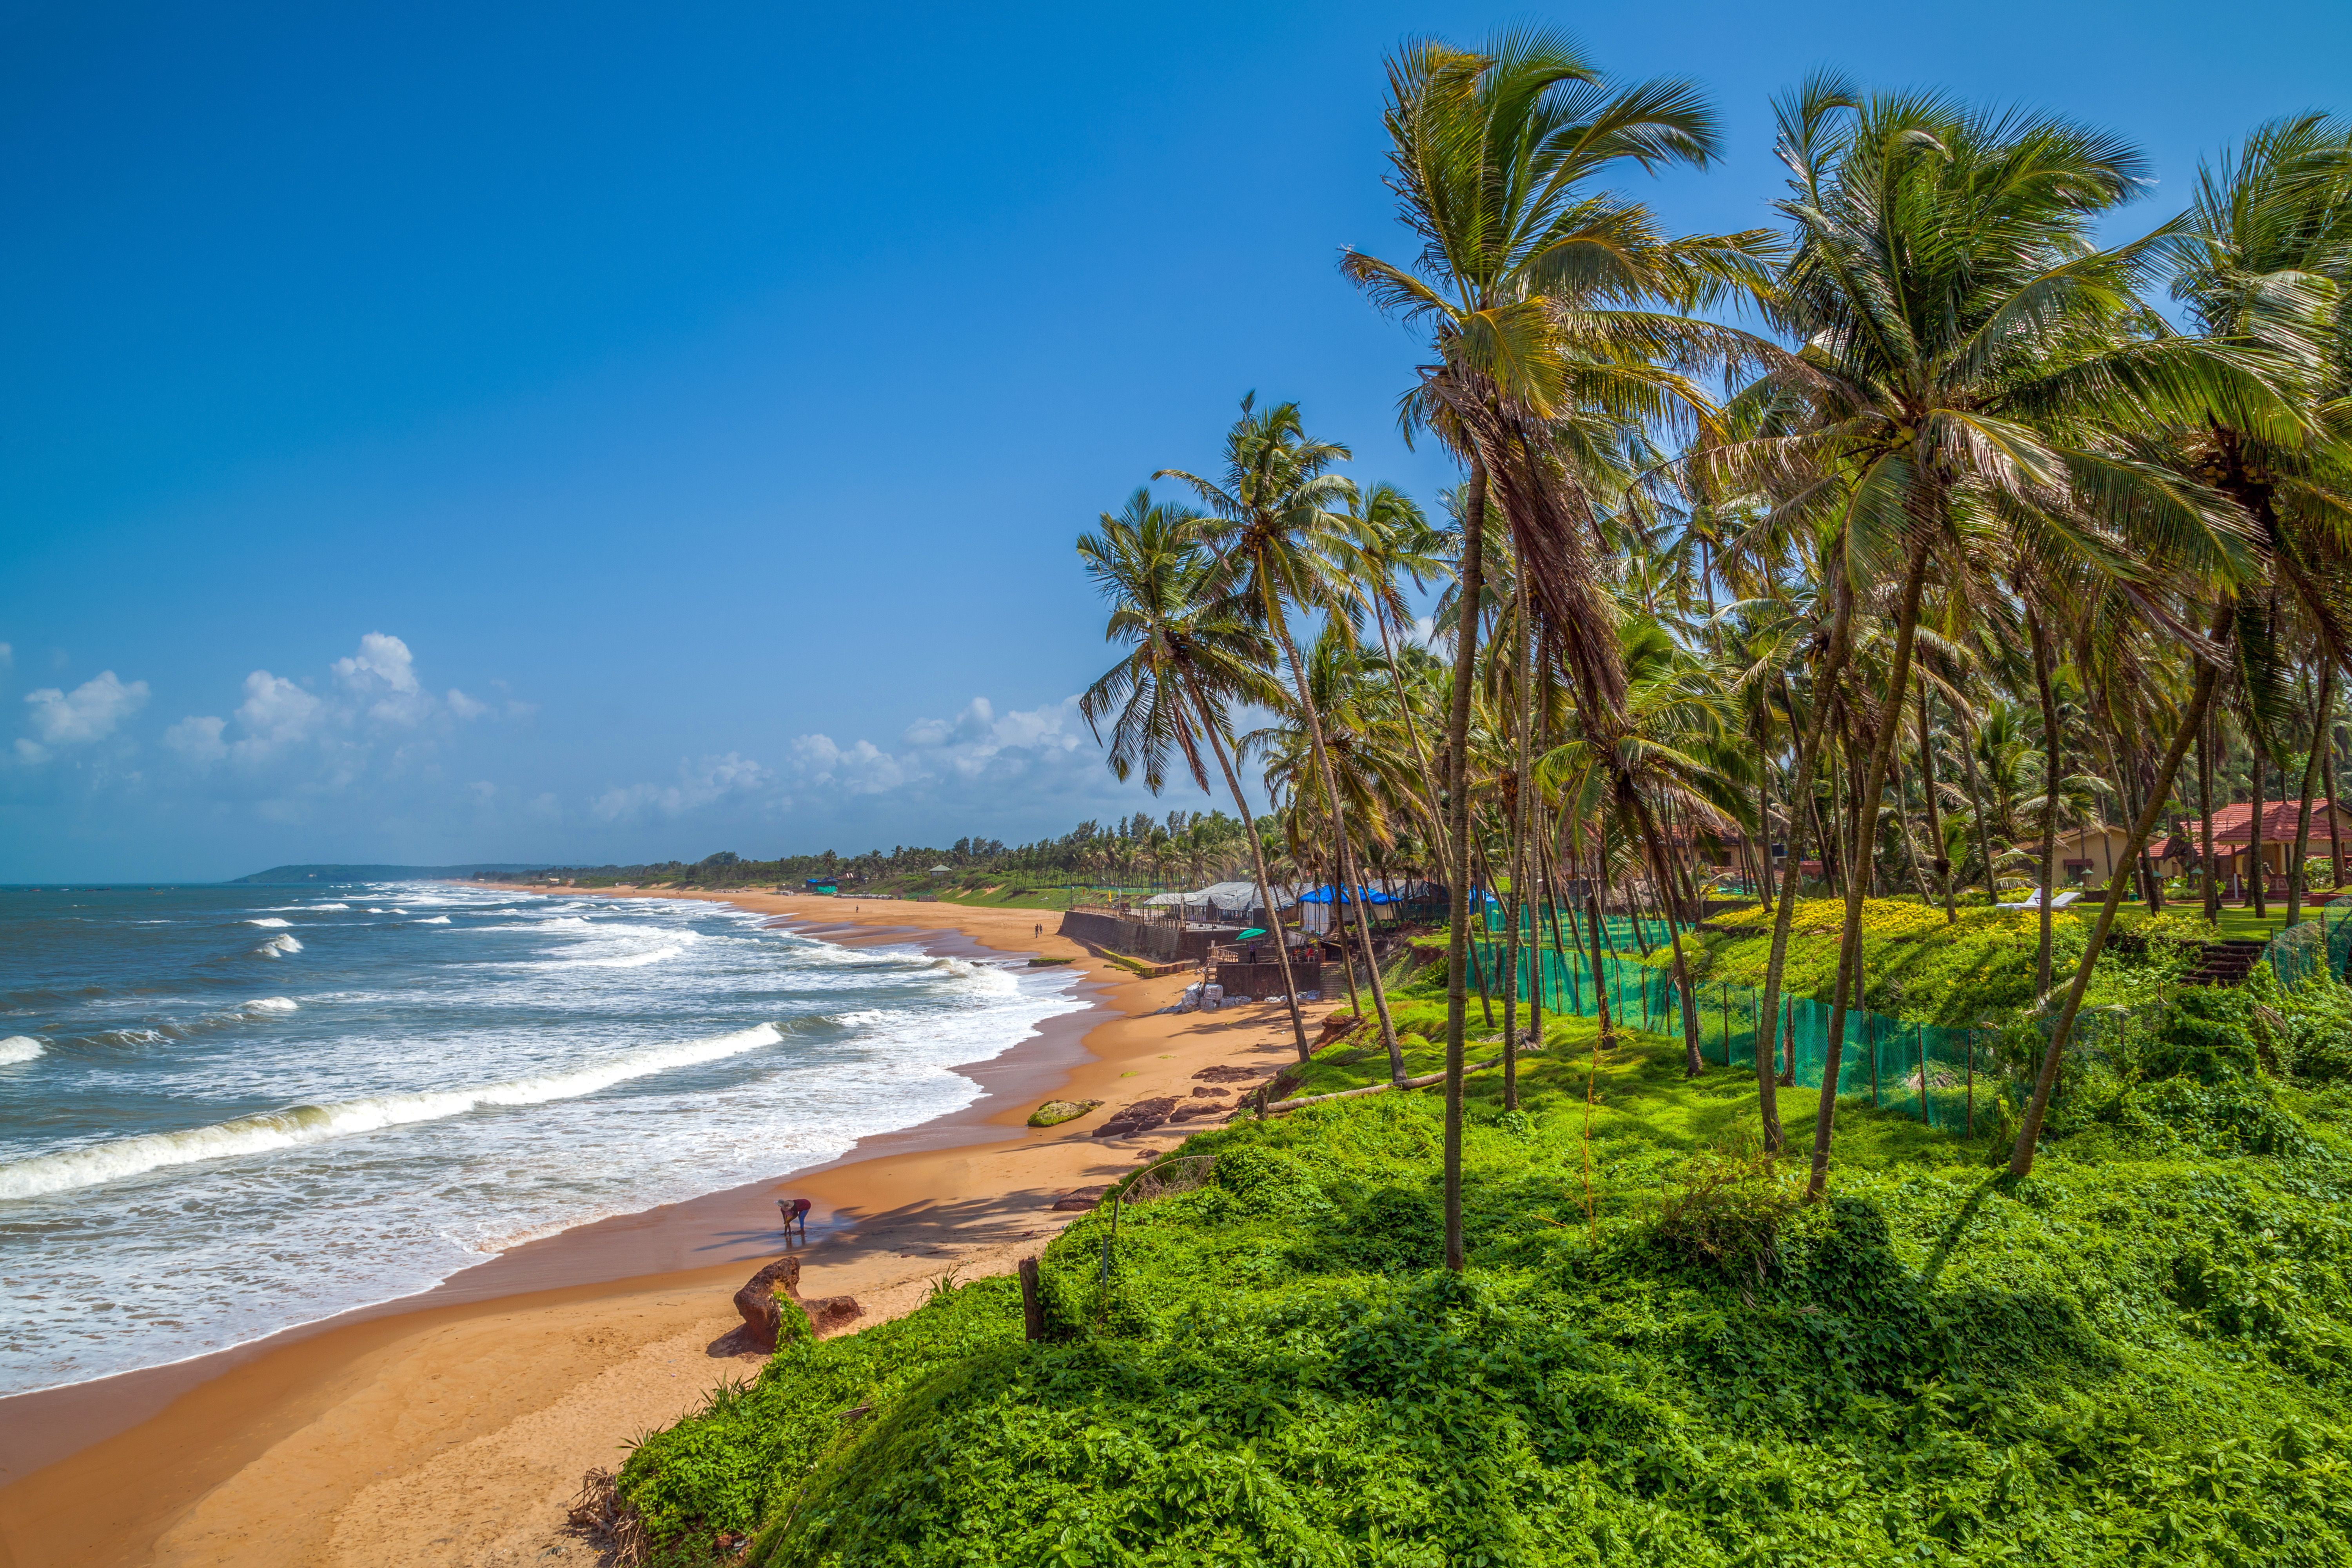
[[1725, 1209]]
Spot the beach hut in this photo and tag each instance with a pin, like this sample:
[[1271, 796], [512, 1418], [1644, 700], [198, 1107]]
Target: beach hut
[[2233, 848]]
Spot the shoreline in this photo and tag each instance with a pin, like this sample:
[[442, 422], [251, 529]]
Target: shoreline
[[448, 1425]]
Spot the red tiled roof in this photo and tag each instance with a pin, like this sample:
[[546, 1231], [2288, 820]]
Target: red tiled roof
[[2234, 824]]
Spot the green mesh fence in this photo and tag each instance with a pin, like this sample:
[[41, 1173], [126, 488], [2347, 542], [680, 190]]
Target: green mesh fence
[[2322, 945], [1923, 1070]]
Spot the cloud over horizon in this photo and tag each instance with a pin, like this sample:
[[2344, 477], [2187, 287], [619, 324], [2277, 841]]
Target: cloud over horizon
[[363, 760]]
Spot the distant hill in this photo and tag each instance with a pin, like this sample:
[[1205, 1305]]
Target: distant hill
[[280, 876]]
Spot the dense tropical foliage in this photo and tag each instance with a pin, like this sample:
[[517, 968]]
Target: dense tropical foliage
[[1860, 571]]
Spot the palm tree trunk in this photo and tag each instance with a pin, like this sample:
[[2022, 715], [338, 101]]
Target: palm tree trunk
[[1524, 662], [2029, 1131], [1419, 752], [1694, 1062], [2050, 777], [2335, 824], [2208, 860], [1976, 802], [1457, 828], [1906, 625], [2261, 891], [1935, 818], [2310, 784], [1257, 862], [1329, 778], [1801, 785]]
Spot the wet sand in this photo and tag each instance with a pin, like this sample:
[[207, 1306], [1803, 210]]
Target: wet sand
[[451, 1426]]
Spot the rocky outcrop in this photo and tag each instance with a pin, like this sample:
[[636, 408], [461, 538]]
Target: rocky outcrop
[[1142, 1117], [1054, 1112], [831, 1314], [1226, 1072], [764, 1296], [1079, 1199]]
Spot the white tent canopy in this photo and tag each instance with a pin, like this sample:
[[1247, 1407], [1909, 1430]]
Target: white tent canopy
[[1228, 899]]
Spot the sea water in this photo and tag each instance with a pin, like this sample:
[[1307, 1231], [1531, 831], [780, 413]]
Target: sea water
[[228, 1111]]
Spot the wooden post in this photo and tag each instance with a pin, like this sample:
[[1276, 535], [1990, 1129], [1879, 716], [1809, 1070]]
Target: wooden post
[[1870, 1038], [1033, 1310], [1919, 1036], [1968, 1116]]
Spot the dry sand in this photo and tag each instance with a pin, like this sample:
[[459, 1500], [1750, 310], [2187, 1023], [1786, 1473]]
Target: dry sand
[[453, 1427]]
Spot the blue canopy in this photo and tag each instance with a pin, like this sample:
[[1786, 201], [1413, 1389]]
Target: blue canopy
[[1327, 894]]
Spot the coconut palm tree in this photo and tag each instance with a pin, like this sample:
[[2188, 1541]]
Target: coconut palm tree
[[1194, 653], [1966, 345], [1531, 284], [1279, 525]]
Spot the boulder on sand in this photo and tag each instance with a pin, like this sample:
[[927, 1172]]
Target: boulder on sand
[[1142, 1117], [1054, 1112], [761, 1299], [1079, 1199]]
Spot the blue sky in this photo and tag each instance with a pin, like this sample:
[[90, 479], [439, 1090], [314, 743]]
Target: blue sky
[[590, 432]]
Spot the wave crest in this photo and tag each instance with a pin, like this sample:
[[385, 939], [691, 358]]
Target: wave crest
[[20, 1048], [273, 923], [301, 1124], [278, 946]]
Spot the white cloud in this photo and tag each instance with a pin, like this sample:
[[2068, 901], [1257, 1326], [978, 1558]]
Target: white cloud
[[861, 767], [376, 697], [382, 674], [198, 739], [89, 712], [7, 655], [700, 785], [380, 659], [275, 712]]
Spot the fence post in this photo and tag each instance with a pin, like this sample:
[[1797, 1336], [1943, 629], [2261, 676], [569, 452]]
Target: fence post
[[1870, 1033], [1968, 1115], [1919, 1035], [1033, 1311]]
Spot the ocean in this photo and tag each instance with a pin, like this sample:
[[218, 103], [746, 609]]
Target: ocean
[[225, 1111]]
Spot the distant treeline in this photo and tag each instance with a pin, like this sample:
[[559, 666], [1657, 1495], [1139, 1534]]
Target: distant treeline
[[1182, 844]]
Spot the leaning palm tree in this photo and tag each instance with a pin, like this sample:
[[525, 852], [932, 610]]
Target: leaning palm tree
[[1965, 349], [1193, 655], [1277, 525], [1531, 284], [2261, 262]]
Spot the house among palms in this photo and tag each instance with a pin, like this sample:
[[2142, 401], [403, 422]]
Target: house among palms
[[2233, 832]]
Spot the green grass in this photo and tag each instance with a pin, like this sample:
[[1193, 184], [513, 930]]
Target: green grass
[[2140, 1354]]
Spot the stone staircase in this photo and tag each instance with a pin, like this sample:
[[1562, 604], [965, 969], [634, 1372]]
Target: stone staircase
[[2226, 962]]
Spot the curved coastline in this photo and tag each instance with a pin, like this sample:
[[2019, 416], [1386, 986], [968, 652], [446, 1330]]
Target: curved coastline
[[459, 1416]]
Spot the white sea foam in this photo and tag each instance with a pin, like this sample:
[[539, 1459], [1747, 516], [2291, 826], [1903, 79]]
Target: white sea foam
[[270, 1005], [272, 923], [19, 1048], [990, 978], [110, 1162], [278, 946], [434, 920], [331, 906]]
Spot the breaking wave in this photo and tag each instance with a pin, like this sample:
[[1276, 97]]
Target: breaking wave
[[301, 1124], [278, 946], [273, 923], [20, 1048]]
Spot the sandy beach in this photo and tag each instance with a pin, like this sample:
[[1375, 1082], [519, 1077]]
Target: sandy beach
[[453, 1427]]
